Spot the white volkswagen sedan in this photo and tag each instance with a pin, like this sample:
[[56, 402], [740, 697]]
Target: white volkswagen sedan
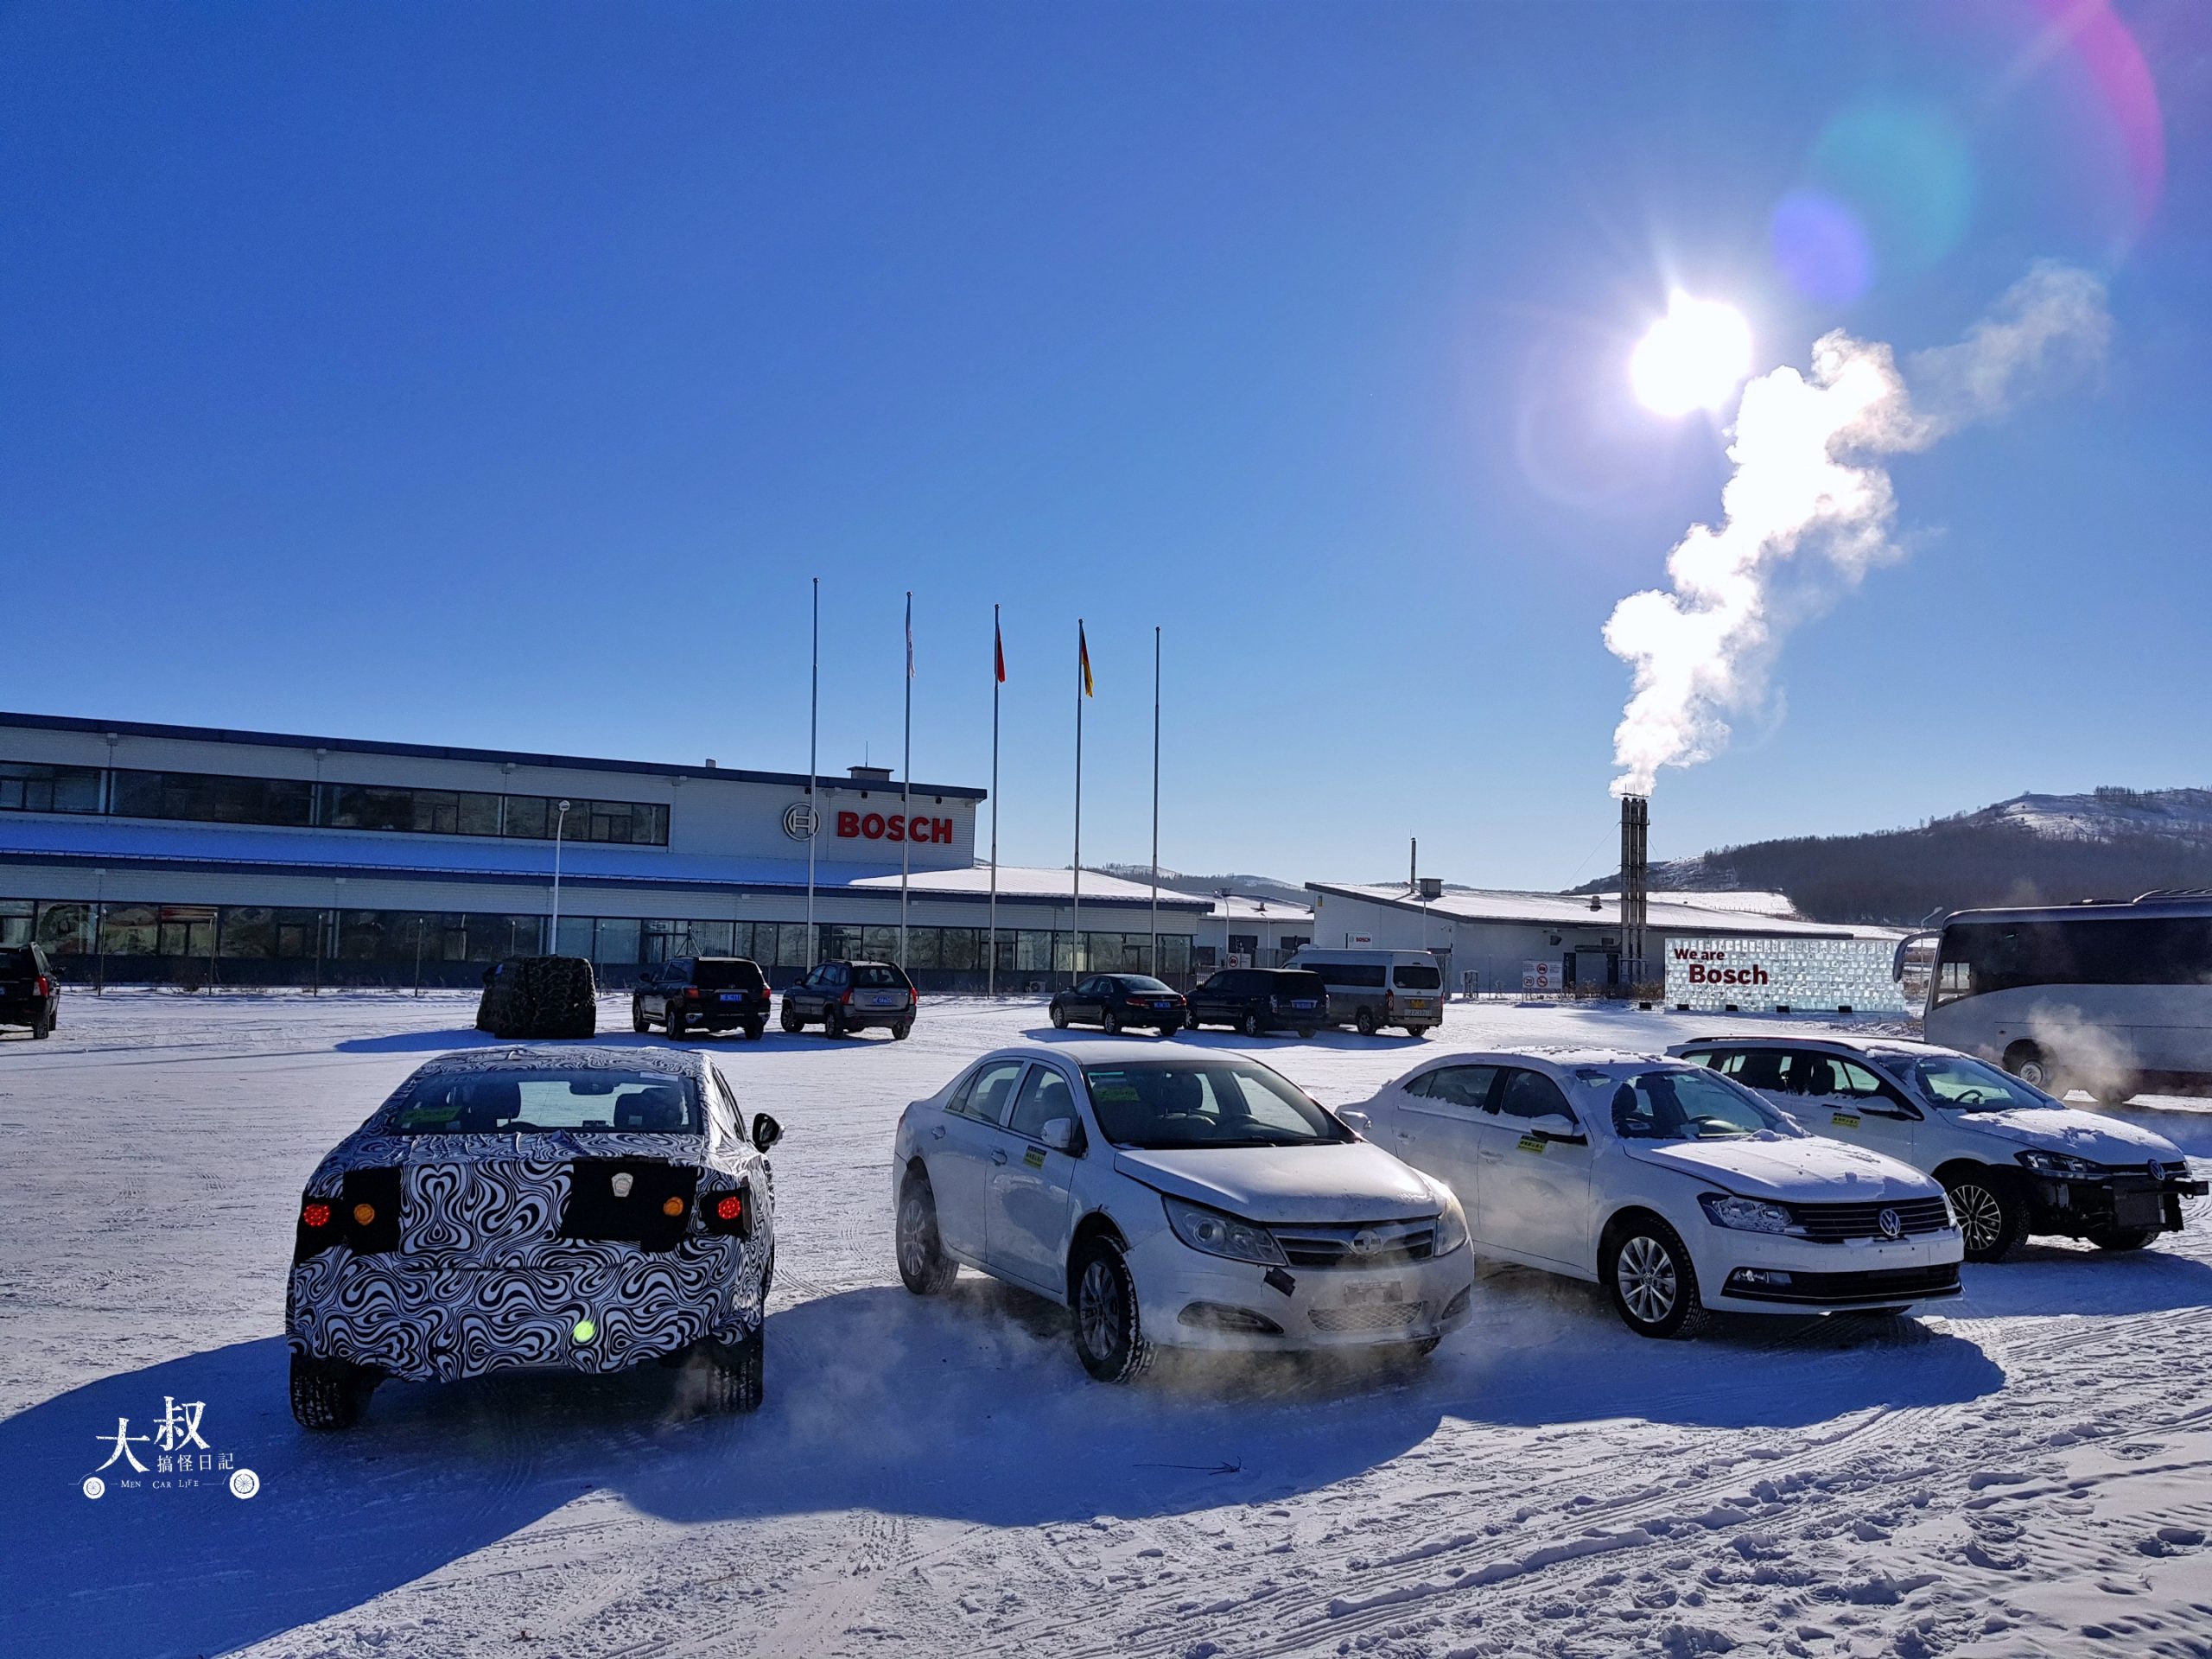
[[1673, 1188], [2014, 1161], [1191, 1200]]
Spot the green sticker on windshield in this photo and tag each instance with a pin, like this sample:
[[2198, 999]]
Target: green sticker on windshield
[[1845, 1120], [1115, 1091], [1532, 1143]]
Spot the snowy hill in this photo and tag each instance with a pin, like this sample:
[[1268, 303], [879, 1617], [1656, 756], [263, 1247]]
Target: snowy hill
[[2110, 843], [1208, 887]]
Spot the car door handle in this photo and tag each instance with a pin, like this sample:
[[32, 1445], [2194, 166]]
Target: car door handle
[[998, 1157], [938, 1134]]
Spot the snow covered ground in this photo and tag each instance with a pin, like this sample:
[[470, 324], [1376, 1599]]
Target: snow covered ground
[[2028, 1472]]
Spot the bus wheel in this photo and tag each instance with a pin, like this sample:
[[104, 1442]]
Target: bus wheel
[[2031, 1066]]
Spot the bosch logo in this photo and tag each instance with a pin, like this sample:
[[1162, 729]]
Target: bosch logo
[[799, 821], [1891, 1226], [875, 826]]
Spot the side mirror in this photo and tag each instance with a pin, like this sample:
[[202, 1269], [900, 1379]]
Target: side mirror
[[765, 1131], [1063, 1134], [1556, 1126], [1360, 1124]]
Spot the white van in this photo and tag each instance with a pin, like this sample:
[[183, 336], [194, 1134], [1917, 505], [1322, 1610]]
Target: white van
[[1373, 988]]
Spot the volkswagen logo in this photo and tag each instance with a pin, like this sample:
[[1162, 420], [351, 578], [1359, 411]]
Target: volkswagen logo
[[800, 821], [1366, 1241], [1891, 1226]]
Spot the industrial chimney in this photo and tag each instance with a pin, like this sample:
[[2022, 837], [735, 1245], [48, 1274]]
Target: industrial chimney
[[1635, 887]]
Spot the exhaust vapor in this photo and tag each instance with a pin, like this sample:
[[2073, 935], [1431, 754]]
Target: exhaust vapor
[[1811, 487]]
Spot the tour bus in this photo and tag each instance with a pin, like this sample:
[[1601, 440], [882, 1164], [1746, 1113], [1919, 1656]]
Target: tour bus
[[1369, 989], [2112, 998]]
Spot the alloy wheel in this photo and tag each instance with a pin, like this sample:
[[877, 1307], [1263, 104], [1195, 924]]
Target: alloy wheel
[[1982, 1218], [1646, 1273], [1098, 1309], [914, 1235]]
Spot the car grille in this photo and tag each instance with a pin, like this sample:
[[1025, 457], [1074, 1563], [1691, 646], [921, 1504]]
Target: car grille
[[1377, 1316], [1831, 1224], [1337, 1246]]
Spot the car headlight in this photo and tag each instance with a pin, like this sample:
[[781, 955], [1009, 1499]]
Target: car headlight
[[2062, 1165], [1747, 1215], [1451, 1227], [1216, 1234]]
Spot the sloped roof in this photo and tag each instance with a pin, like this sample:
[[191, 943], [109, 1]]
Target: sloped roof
[[1562, 910]]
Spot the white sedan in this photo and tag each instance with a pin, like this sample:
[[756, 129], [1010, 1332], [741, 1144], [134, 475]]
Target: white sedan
[[1191, 1199], [1673, 1188]]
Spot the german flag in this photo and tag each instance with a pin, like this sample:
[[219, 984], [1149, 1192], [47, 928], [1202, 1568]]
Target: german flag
[[1083, 657]]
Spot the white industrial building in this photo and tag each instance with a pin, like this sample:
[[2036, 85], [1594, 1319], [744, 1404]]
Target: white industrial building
[[1498, 941], [135, 851]]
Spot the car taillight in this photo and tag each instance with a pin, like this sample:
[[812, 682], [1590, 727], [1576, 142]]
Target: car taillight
[[847, 998], [43, 988], [691, 993], [727, 1213]]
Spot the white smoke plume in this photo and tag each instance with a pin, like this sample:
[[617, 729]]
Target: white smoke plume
[[1812, 486]]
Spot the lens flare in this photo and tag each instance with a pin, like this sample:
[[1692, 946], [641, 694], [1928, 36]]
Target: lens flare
[[1694, 357]]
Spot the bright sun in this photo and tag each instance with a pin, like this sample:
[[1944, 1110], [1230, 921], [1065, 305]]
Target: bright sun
[[1694, 357]]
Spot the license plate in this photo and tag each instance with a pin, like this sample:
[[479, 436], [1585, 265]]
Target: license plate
[[1302, 1005], [1417, 1003], [1158, 1006], [1372, 1295], [733, 996], [882, 1002]]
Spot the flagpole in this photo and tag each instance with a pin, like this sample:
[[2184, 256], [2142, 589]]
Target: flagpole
[[813, 768], [998, 649], [906, 785], [1075, 948], [1155, 801]]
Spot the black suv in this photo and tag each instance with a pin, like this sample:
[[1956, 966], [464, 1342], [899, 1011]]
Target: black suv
[[703, 993], [842, 996], [1255, 999], [1114, 1000], [29, 993]]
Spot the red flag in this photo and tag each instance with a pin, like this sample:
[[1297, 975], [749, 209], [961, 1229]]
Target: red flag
[[998, 651]]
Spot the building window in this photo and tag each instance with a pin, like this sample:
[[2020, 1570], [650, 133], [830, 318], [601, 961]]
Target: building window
[[212, 798], [27, 787]]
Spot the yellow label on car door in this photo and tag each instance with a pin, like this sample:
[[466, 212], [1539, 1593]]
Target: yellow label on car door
[[1034, 1157], [1845, 1120], [1532, 1143]]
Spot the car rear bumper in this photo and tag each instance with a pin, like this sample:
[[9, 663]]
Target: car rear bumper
[[2118, 1202], [1189, 1299], [22, 1010], [1759, 1273], [591, 1306]]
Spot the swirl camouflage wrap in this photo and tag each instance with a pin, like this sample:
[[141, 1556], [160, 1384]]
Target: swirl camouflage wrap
[[497, 1260]]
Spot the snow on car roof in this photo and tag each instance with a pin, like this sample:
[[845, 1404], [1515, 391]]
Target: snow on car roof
[[679, 1062], [1839, 1044], [1567, 1056]]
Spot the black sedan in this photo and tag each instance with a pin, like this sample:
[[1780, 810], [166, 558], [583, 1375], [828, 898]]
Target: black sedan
[[1118, 1001]]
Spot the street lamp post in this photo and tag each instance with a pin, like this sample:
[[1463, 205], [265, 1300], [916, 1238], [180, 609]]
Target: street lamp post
[[553, 942]]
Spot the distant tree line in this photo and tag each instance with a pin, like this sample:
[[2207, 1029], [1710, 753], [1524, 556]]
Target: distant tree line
[[1903, 876]]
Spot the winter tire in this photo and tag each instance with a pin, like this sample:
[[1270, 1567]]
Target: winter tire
[[675, 1022], [924, 1267], [1365, 1022], [1110, 1022], [2122, 1238], [329, 1393], [1108, 1340], [755, 1030], [1307, 1033], [833, 1025], [901, 1032], [41, 1025], [1990, 1218], [1652, 1282], [792, 1023], [1059, 1018], [638, 1020], [1250, 1025]]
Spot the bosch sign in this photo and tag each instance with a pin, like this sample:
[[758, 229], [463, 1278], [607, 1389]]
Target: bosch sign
[[876, 826]]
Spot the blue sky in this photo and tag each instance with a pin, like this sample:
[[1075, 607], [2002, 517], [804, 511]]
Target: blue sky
[[501, 375]]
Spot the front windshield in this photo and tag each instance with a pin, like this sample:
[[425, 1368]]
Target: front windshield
[[1691, 1104], [1959, 1085], [1174, 1105], [527, 1100]]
